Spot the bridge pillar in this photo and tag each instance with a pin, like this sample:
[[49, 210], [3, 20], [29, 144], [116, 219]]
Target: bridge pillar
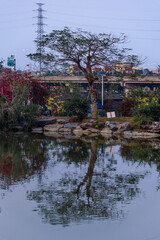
[[126, 89]]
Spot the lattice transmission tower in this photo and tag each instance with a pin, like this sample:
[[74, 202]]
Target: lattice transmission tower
[[40, 31]]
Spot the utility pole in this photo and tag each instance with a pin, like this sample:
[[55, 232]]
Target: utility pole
[[40, 31], [102, 73]]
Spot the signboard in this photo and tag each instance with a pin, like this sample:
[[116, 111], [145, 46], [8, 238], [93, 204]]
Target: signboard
[[11, 61]]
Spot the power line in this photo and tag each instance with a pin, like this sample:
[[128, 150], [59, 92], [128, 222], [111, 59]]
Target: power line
[[15, 27], [112, 18], [116, 28], [14, 20], [10, 14], [154, 39]]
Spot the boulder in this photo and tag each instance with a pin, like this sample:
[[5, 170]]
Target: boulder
[[64, 130], [144, 126], [106, 135], [70, 125], [44, 122], [152, 127], [91, 132], [106, 130], [124, 127], [111, 125], [78, 131], [62, 121], [84, 126], [155, 127], [53, 127], [92, 121]]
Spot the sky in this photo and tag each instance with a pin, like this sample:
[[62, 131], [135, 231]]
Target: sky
[[139, 20]]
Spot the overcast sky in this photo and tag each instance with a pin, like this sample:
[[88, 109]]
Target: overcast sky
[[138, 19]]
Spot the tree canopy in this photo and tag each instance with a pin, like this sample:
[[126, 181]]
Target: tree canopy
[[86, 50]]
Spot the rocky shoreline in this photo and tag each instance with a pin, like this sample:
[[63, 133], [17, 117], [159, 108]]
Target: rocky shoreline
[[61, 127]]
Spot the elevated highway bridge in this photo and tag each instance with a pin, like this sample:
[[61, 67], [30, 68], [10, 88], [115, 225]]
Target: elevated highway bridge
[[125, 82]]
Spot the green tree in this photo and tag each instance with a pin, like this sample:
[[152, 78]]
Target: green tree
[[86, 50]]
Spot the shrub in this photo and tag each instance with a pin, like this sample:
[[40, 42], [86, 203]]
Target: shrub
[[147, 113], [23, 115], [16, 90], [69, 100], [77, 106], [29, 113], [127, 107]]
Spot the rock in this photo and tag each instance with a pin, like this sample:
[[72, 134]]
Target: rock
[[64, 129], [78, 131], [144, 126], [127, 134], [44, 122], [37, 130], [106, 130], [53, 127], [106, 135], [91, 132], [92, 121], [84, 126], [155, 127], [62, 121], [70, 125], [152, 127], [124, 127], [111, 125]]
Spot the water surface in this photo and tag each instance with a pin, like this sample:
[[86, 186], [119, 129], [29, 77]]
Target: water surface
[[79, 188]]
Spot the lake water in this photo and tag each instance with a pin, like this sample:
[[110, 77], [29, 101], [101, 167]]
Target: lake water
[[79, 189]]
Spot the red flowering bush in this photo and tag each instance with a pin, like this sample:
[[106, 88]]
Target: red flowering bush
[[10, 80], [127, 107], [19, 97]]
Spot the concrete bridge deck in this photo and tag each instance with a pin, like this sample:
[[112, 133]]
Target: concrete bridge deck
[[107, 79]]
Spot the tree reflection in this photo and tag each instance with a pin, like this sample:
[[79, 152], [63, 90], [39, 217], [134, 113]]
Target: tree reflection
[[20, 157], [98, 193], [70, 151], [143, 152], [89, 174]]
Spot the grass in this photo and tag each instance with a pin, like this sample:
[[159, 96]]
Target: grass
[[100, 120]]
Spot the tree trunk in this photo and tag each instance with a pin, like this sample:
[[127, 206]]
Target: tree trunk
[[93, 99]]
